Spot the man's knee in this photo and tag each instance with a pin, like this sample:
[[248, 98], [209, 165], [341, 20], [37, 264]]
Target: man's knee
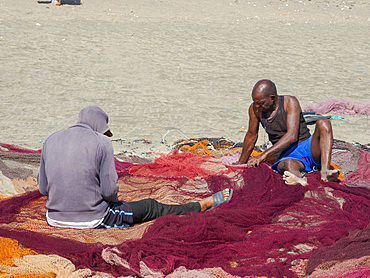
[[290, 165], [144, 210], [324, 125]]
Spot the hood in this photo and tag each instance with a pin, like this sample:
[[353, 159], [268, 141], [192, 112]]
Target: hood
[[94, 117]]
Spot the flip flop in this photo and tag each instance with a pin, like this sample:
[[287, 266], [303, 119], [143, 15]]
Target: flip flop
[[219, 199]]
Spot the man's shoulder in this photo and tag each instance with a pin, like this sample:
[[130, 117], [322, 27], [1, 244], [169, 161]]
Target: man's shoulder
[[291, 104], [70, 133], [54, 135], [53, 141], [289, 98], [104, 141], [103, 138]]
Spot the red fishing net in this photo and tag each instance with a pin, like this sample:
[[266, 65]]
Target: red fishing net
[[14, 148], [355, 245], [267, 228], [176, 165]]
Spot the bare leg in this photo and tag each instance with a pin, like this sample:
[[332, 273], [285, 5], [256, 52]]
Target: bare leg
[[208, 202], [321, 146], [291, 170]]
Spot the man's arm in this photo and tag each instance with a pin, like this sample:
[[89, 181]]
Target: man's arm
[[41, 177], [251, 137], [108, 174], [293, 110]]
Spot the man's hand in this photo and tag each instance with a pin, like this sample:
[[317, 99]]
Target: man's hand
[[255, 161]]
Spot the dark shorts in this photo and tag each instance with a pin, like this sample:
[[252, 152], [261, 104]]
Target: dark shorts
[[302, 153], [125, 214]]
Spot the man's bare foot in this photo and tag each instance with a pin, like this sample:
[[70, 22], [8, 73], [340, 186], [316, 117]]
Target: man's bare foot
[[208, 202], [329, 175], [58, 3], [292, 179]]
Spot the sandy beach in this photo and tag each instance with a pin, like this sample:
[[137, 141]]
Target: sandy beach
[[169, 70], [188, 66]]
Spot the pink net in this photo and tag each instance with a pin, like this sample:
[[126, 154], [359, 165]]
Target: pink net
[[361, 176], [267, 229], [344, 106], [355, 245]]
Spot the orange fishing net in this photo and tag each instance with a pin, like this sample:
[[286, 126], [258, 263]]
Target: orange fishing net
[[208, 146], [10, 249]]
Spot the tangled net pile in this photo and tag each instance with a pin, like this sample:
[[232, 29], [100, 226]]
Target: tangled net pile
[[344, 106], [267, 229]]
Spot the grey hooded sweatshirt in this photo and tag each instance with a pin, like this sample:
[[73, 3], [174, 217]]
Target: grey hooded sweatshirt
[[77, 170]]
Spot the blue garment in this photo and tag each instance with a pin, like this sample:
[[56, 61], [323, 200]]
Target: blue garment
[[302, 153]]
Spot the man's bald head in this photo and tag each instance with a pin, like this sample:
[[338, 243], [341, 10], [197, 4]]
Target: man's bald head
[[264, 88], [264, 95]]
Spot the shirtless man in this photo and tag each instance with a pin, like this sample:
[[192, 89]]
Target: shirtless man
[[298, 152]]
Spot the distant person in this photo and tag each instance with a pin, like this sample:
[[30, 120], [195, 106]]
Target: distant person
[[78, 174], [298, 152], [69, 2]]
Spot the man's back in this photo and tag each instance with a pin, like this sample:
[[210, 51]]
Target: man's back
[[77, 173]]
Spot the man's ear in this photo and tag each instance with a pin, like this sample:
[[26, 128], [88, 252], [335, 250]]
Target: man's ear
[[273, 97]]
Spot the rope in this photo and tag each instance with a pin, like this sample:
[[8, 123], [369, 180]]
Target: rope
[[172, 130], [341, 118]]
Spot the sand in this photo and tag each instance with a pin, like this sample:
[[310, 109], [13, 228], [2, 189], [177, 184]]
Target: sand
[[188, 66]]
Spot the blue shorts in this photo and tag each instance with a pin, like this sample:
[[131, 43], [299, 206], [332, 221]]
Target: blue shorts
[[302, 153]]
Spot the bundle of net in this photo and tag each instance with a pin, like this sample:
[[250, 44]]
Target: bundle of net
[[179, 165], [347, 257], [266, 229], [344, 106]]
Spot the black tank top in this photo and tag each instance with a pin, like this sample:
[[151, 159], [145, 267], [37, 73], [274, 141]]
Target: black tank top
[[276, 127]]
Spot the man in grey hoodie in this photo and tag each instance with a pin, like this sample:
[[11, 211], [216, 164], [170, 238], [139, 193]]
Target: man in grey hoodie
[[77, 173]]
